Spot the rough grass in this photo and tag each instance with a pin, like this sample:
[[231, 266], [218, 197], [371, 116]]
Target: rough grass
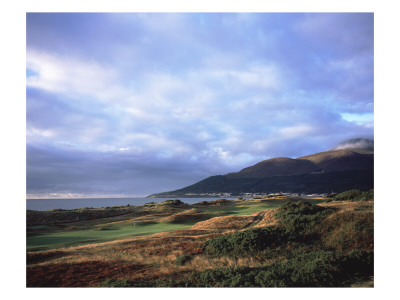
[[349, 230], [259, 219]]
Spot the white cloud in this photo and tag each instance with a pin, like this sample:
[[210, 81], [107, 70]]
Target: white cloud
[[63, 74], [37, 132], [295, 131], [359, 118]]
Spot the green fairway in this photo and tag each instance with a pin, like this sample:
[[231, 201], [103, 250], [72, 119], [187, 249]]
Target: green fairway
[[251, 207], [111, 232], [102, 230]]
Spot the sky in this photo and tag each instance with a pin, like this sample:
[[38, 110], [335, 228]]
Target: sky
[[130, 104]]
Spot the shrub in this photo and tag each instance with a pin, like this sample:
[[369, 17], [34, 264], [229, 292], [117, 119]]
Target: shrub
[[299, 222], [358, 264], [116, 283], [183, 259], [172, 202], [355, 195], [365, 196], [315, 269], [300, 219], [244, 243]]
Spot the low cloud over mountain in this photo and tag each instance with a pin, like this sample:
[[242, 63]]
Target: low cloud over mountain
[[360, 143]]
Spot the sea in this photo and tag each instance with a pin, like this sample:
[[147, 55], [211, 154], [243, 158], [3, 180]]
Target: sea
[[73, 203]]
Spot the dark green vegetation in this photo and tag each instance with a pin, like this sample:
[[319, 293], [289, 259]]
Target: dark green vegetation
[[316, 269], [306, 183], [245, 243], [324, 172], [116, 283], [300, 220], [183, 259], [355, 195], [298, 224]]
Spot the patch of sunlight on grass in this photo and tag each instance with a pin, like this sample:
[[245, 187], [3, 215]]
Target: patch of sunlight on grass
[[79, 237]]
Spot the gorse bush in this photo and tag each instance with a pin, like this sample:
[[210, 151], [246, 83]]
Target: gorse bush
[[116, 283], [355, 195], [244, 243], [298, 221], [183, 259], [300, 218], [315, 269]]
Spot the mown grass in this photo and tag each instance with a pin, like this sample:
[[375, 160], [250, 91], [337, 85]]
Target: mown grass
[[99, 234], [247, 207], [90, 230]]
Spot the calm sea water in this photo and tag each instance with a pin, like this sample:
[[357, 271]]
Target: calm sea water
[[46, 204]]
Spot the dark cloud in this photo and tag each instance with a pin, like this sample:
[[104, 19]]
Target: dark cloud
[[51, 170]]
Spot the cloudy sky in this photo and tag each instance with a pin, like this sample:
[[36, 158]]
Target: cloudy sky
[[133, 104]]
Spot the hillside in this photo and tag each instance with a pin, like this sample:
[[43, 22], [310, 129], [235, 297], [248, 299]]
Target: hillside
[[324, 172]]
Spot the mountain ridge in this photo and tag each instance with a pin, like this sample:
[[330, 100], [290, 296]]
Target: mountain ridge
[[322, 172]]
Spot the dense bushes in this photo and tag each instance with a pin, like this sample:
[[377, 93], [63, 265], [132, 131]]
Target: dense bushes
[[244, 243], [315, 269], [116, 283], [183, 259], [355, 195], [217, 202], [298, 221], [300, 218]]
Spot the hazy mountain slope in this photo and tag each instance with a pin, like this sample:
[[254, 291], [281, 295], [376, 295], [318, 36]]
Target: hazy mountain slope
[[329, 161], [342, 160], [276, 167], [304, 183]]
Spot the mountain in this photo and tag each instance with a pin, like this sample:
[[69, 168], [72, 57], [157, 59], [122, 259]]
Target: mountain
[[279, 166], [340, 169]]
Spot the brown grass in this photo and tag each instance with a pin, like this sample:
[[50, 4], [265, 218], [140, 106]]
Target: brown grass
[[347, 230], [139, 259], [259, 219]]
